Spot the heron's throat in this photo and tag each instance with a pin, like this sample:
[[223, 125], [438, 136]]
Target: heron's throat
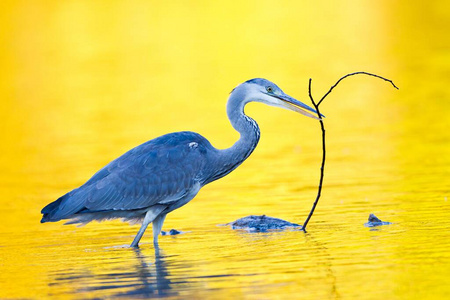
[[246, 126], [249, 132]]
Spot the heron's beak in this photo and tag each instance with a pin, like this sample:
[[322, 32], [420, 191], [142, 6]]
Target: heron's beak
[[290, 103]]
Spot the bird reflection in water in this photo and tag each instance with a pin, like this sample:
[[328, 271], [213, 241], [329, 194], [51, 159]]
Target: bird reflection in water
[[153, 278], [140, 278]]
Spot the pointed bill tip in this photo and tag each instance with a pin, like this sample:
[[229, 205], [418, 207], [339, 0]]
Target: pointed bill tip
[[292, 104]]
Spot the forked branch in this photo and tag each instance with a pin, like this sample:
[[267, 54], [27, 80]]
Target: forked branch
[[316, 106]]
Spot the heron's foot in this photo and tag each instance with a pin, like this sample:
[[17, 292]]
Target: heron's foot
[[171, 232], [134, 245]]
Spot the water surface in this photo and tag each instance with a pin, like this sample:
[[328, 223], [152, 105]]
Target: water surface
[[83, 82]]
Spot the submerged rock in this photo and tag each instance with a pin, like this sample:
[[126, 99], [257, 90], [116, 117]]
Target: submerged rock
[[171, 232], [261, 223], [374, 221]]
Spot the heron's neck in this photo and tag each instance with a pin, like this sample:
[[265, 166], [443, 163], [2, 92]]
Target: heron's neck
[[231, 158], [246, 126]]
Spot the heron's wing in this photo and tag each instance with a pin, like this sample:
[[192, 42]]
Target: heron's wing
[[153, 173]]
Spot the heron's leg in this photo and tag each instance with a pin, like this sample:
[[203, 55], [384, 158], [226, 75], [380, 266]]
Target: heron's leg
[[151, 215], [157, 225]]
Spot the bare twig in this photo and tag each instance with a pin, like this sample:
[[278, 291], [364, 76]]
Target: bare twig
[[316, 106], [322, 167], [351, 74]]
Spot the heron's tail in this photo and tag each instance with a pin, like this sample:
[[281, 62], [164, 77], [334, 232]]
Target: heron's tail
[[50, 210], [63, 208]]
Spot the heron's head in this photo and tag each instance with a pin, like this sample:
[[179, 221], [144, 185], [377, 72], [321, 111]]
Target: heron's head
[[262, 90]]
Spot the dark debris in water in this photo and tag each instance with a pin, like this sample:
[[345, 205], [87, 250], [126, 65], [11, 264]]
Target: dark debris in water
[[262, 223], [171, 232], [374, 221]]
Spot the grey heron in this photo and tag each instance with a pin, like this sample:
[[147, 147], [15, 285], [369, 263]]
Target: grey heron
[[163, 174]]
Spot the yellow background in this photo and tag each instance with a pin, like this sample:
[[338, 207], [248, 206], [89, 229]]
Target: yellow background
[[81, 82]]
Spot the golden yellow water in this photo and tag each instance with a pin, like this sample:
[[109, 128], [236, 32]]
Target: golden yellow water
[[83, 81]]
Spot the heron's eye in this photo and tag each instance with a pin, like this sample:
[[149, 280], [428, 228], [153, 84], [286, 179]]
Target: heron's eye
[[269, 89]]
